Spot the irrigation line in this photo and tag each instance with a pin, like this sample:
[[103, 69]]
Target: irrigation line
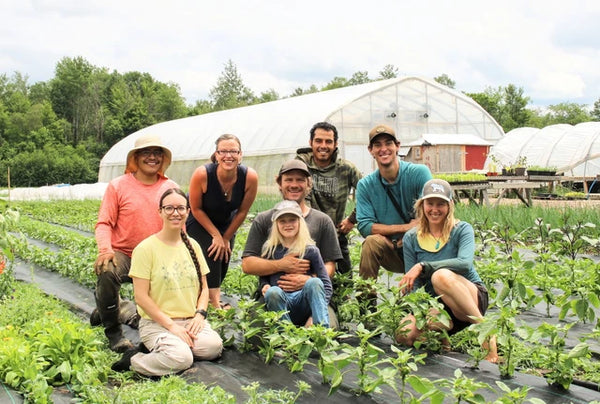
[[8, 392]]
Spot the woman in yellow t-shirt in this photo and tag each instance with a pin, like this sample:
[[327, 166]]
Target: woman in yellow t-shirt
[[169, 271]]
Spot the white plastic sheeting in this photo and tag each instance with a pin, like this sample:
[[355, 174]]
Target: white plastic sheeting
[[574, 150], [56, 192], [271, 132]]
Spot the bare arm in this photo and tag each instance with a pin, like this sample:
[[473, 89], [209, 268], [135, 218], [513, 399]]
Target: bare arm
[[289, 264], [198, 183], [389, 230]]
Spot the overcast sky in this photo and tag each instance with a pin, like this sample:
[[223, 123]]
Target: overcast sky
[[550, 48]]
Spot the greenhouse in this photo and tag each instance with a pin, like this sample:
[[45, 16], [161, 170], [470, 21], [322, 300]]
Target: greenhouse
[[271, 132], [572, 150]]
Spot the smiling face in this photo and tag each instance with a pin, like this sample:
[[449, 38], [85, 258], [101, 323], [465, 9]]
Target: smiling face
[[323, 145], [288, 226], [149, 161], [174, 211], [436, 211], [384, 150], [294, 186], [228, 153]]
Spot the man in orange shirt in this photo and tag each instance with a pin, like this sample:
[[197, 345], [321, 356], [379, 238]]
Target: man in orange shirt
[[128, 214]]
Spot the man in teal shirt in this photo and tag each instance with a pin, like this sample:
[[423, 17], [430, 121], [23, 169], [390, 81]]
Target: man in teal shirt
[[384, 203]]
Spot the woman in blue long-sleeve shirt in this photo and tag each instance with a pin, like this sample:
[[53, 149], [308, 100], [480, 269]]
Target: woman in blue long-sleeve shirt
[[438, 255]]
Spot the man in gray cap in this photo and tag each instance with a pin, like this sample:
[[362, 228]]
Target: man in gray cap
[[384, 203], [294, 183]]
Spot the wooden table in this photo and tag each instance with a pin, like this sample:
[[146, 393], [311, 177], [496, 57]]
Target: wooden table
[[472, 191], [520, 187]]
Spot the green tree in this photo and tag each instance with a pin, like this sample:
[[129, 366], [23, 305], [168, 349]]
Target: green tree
[[567, 112], [388, 72], [200, 107], [68, 91], [52, 164], [267, 96], [230, 91], [507, 105], [300, 91], [514, 112], [359, 77], [336, 82], [596, 111], [445, 80]]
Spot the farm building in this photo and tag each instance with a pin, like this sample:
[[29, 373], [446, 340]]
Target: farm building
[[271, 133], [449, 152], [572, 150]]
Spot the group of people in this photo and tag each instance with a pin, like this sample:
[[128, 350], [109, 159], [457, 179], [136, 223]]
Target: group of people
[[176, 248]]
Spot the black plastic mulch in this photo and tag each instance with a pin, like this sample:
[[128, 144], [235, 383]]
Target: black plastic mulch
[[236, 370]]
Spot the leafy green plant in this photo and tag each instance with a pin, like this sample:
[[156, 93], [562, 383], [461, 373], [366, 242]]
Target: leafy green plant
[[558, 366], [461, 177], [404, 364], [275, 396], [463, 388], [367, 361]]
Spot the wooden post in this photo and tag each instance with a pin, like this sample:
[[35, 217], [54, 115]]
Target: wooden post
[[8, 179]]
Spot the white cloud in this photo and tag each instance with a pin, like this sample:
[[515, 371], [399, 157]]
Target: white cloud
[[549, 48]]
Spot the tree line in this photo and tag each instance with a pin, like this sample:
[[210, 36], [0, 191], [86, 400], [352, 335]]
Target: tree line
[[57, 131]]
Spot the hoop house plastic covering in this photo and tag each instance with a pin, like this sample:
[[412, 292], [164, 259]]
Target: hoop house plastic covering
[[574, 150], [271, 132]]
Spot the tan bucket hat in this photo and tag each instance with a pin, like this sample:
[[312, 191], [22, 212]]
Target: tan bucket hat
[[141, 143]]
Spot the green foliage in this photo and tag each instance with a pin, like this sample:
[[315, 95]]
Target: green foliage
[[461, 177], [230, 91], [8, 219], [44, 344], [445, 80], [507, 105], [53, 164]]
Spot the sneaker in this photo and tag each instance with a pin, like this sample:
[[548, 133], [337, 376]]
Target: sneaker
[[123, 364]]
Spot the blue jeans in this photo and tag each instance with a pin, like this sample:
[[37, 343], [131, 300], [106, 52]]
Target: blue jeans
[[301, 304]]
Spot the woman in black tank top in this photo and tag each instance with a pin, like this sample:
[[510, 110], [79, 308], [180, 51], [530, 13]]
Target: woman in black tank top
[[221, 194]]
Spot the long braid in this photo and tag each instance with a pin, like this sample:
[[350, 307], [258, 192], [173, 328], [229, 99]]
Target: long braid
[[187, 243]]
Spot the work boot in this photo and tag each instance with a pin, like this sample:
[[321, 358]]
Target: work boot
[[128, 314], [123, 364], [95, 319], [113, 331]]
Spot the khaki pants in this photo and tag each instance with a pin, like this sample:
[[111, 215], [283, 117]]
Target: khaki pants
[[376, 252], [170, 354]]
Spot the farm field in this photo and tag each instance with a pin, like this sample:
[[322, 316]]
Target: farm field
[[544, 279]]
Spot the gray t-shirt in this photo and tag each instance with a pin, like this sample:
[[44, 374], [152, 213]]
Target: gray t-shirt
[[320, 227]]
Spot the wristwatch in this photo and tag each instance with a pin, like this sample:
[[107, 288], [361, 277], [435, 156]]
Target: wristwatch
[[203, 313]]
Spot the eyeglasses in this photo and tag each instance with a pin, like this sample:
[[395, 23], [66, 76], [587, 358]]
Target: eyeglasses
[[169, 210], [230, 152], [149, 152]]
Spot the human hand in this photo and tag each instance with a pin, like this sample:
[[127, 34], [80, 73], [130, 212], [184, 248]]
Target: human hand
[[101, 263], [291, 264], [408, 280], [196, 324], [345, 226], [183, 333], [219, 249], [265, 288], [292, 282]]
